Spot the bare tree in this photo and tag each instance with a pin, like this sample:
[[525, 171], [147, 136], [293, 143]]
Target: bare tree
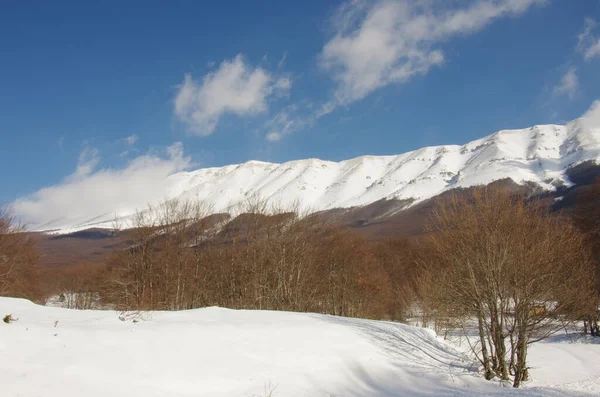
[[587, 219], [18, 259], [497, 258], [264, 258], [156, 271], [77, 287]]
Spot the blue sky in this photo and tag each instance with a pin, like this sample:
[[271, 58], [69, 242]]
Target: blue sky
[[112, 88]]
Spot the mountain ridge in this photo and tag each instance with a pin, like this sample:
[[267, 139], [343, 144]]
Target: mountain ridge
[[540, 154]]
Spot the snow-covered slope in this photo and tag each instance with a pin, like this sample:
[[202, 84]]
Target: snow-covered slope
[[216, 352], [539, 154]]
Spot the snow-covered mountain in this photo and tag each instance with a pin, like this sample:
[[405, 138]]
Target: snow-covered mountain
[[540, 154]]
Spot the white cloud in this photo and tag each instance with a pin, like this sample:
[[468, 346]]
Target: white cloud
[[87, 162], [274, 136], [593, 51], [61, 142], [591, 118], [88, 194], [377, 43], [234, 88], [282, 61], [569, 84], [280, 125], [588, 44], [283, 85], [289, 119], [588, 25], [131, 139]]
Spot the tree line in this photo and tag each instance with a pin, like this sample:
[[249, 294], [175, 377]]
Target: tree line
[[181, 258]]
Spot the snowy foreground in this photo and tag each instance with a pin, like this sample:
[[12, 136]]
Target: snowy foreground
[[218, 352]]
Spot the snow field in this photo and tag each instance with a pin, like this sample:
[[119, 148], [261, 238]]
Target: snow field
[[56, 352]]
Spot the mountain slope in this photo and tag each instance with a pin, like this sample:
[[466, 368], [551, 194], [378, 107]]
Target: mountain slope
[[540, 154]]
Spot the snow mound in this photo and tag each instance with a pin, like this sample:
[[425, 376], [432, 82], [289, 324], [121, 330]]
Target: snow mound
[[57, 352]]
